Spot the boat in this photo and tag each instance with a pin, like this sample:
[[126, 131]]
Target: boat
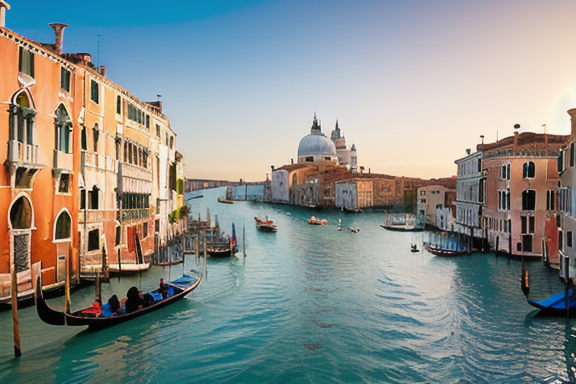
[[414, 248], [441, 251], [265, 225], [225, 201], [351, 210], [339, 224], [556, 304], [177, 289], [401, 222], [222, 246], [314, 221], [354, 229]]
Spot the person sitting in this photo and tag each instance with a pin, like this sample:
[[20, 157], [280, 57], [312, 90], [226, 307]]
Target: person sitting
[[133, 301], [163, 289], [96, 308], [115, 305]]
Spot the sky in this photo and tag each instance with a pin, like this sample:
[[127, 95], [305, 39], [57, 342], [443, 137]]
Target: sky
[[412, 83]]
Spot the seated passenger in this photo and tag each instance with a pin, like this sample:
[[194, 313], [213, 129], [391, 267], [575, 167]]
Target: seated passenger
[[95, 309], [133, 301], [115, 305], [163, 289]]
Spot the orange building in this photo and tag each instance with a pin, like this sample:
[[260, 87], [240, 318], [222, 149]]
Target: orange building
[[91, 173], [39, 185]]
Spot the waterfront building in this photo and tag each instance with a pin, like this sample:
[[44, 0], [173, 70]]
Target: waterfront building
[[519, 215], [39, 184], [91, 172], [470, 197], [434, 206], [566, 203]]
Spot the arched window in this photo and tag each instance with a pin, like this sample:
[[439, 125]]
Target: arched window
[[21, 214], [294, 180], [63, 130], [22, 120], [96, 134], [93, 197], [529, 200], [529, 170], [63, 225]]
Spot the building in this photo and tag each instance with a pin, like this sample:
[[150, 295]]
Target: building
[[519, 212], [470, 197], [566, 205], [434, 205], [91, 173]]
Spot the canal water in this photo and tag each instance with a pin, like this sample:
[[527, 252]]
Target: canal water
[[312, 304]]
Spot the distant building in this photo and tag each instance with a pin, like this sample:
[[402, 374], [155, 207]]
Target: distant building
[[470, 197], [434, 205]]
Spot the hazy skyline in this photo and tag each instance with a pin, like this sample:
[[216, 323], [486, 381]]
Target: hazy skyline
[[412, 83]]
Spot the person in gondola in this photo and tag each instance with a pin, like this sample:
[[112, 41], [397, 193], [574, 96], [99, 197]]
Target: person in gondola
[[115, 305], [96, 308], [132, 302], [163, 289]]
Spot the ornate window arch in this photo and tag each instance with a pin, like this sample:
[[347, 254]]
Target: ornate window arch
[[22, 118], [63, 129], [21, 213], [63, 226]]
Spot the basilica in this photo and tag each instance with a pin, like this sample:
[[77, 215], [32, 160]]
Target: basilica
[[327, 175]]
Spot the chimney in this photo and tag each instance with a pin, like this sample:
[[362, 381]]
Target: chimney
[[572, 113], [103, 70], [515, 140], [59, 32], [4, 6]]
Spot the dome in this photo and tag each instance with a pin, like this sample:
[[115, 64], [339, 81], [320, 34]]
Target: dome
[[316, 144]]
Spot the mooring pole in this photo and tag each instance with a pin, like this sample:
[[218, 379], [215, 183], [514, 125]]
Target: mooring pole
[[15, 322], [67, 286], [567, 277]]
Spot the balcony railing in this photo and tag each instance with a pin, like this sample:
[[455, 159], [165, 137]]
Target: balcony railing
[[99, 161], [140, 213], [22, 153]]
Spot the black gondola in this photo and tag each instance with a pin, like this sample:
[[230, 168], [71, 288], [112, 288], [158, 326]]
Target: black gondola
[[177, 289]]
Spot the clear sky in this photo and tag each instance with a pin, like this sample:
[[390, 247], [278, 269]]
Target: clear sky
[[413, 83]]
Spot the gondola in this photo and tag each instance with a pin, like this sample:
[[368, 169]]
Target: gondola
[[315, 221], [555, 305], [438, 251], [177, 289]]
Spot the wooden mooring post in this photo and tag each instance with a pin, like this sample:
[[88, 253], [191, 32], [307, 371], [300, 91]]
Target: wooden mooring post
[[15, 322]]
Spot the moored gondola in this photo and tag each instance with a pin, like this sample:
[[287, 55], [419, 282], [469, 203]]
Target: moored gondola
[[177, 289]]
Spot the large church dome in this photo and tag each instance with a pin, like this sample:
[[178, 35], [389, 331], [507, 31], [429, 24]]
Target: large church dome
[[316, 146]]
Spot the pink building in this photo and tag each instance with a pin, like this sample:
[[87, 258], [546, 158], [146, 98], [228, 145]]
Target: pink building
[[519, 215]]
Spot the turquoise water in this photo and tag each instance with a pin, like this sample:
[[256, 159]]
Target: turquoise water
[[311, 304]]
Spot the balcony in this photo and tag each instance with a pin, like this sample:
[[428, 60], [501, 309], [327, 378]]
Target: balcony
[[99, 161], [97, 216], [21, 153], [140, 213]]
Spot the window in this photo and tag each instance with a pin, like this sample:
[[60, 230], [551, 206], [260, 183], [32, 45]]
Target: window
[[528, 170], [572, 154], [65, 79], [423, 201], [527, 243], [157, 131], [93, 240], [82, 198], [63, 130], [118, 235], [423, 193], [94, 92], [26, 63], [96, 133], [64, 184], [309, 159], [550, 199], [23, 117], [118, 105], [569, 239], [327, 158], [529, 200], [93, 198], [561, 160], [479, 165], [148, 121], [84, 140], [145, 230], [157, 226], [63, 224], [172, 143]]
